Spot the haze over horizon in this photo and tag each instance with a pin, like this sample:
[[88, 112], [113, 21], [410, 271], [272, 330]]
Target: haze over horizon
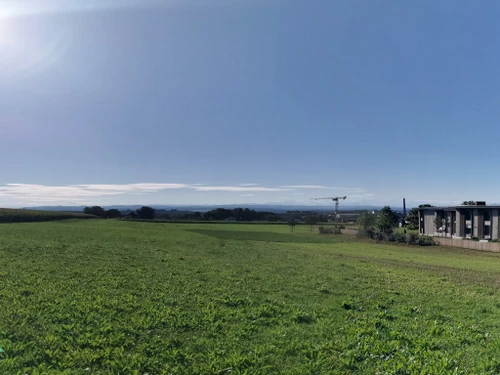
[[248, 102]]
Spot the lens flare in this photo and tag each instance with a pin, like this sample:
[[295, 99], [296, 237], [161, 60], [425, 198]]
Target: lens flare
[[23, 57]]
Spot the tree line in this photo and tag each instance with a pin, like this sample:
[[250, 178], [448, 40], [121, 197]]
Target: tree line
[[144, 212], [218, 214]]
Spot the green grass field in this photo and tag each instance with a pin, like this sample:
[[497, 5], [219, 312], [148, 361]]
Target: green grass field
[[117, 297]]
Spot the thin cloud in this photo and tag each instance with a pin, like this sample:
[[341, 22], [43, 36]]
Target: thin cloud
[[248, 195], [143, 187], [83, 193], [237, 188], [344, 189], [78, 193], [349, 189], [248, 185], [304, 187]]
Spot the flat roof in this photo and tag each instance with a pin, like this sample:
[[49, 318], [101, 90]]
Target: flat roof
[[453, 208]]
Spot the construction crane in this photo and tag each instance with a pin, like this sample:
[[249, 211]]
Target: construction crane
[[336, 200]]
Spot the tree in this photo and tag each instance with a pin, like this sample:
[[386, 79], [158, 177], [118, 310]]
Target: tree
[[292, 221], [440, 221], [113, 214], [468, 203], [412, 217], [94, 210], [366, 221], [311, 220], [146, 212], [387, 219], [446, 226]]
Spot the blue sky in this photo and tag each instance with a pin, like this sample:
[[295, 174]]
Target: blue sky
[[248, 101]]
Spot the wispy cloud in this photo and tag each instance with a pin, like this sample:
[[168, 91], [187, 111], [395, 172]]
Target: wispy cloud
[[304, 187], [143, 187], [238, 188], [78, 193], [342, 189], [83, 193]]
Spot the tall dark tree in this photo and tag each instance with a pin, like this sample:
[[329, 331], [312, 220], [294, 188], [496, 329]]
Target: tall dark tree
[[366, 221], [94, 210], [387, 219], [311, 220], [113, 214], [146, 212], [412, 217]]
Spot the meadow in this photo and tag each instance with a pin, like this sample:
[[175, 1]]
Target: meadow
[[118, 297]]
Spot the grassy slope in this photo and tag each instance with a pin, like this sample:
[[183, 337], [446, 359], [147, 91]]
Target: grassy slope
[[8, 215], [117, 297]]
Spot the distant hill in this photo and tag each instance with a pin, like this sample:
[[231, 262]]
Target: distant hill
[[9, 215]]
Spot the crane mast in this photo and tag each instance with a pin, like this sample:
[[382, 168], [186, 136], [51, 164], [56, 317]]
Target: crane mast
[[336, 200]]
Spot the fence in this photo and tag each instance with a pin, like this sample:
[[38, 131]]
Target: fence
[[469, 244]]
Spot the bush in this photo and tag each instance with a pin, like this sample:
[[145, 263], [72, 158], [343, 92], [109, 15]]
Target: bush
[[396, 237], [391, 237], [365, 233], [333, 230], [412, 239], [379, 236], [400, 237], [426, 241]]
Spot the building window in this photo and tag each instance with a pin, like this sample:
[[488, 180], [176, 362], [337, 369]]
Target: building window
[[487, 215], [468, 215], [486, 231]]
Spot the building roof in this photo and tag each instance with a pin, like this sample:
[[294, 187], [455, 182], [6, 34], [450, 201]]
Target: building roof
[[454, 208]]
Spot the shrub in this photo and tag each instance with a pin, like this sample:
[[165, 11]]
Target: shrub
[[365, 233], [333, 230], [379, 236], [426, 241], [400, 237], [412, 239]]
